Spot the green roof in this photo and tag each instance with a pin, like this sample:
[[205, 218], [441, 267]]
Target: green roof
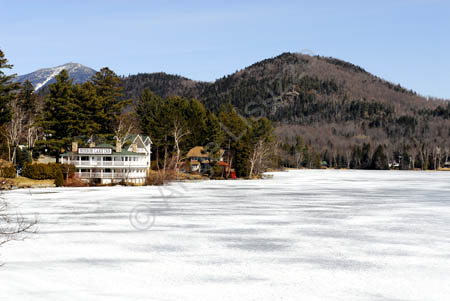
[[105, 145], [122, 153], [128, 141], [128, 153]]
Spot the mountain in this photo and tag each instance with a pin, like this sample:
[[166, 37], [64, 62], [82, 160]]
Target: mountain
[[328, 106], [162, 84], [331, 103], [282, 78], [43, 77]]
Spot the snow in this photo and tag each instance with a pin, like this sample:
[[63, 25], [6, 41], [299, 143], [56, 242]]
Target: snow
[[55, 71], [303, 235], [42, 77]]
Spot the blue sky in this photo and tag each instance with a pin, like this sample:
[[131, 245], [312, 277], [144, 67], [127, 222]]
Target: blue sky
[[403, 41]]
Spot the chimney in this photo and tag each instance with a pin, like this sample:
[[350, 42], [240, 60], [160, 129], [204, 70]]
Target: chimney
[[118, 146], [92, 144], [74, 147], [134, 147]]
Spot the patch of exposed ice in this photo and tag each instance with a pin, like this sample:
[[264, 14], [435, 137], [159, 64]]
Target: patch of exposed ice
[[303, 235]]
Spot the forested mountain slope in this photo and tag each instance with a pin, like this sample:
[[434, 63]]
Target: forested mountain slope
[[332, 104], [322, 108]]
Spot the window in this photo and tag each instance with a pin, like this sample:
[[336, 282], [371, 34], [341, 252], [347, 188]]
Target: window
[[107, 159]]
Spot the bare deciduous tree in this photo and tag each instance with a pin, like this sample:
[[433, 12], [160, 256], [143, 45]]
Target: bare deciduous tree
[[447, 153], [13, 130], [299, 156], [178, 134], [162, 172], [34, 133], [261, 152], [13, 226], [437, 158], [123, 128]]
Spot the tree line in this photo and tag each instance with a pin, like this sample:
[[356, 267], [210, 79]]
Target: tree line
[[177, 124], [365, 156], [333, 105], [97, 111], [317, 123]]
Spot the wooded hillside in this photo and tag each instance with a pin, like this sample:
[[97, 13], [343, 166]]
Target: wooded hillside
[[333, 105]]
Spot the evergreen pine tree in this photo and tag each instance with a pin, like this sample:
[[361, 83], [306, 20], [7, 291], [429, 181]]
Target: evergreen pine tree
[[405, 160], [214, 134], [153, 120], [59, 178], [23, 156], [62, 119], [379, 159], [317, 161], [366, 159], [237, 134], [7, 89], [86, 99], [196, 117], [109, 90], [28, 99]]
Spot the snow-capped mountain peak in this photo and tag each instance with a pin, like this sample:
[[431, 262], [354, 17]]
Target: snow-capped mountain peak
[[42, 77]]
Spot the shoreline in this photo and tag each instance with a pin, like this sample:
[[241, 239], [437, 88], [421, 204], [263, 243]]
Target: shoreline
[[26, 183]]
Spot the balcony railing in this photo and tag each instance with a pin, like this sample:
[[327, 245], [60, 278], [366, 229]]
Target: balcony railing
[[106, 163], [110, 175]]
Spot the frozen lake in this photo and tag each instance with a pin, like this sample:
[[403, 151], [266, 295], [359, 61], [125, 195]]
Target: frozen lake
[[303, 235]]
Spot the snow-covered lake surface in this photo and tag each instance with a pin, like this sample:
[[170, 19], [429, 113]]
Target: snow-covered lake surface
[[303, 235]]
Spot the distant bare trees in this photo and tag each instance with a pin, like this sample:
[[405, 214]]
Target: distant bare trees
[[299, 157], [23, 127], [259, 156], [13, 131]]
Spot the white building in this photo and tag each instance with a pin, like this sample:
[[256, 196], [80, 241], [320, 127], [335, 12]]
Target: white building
[[106, 164]]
